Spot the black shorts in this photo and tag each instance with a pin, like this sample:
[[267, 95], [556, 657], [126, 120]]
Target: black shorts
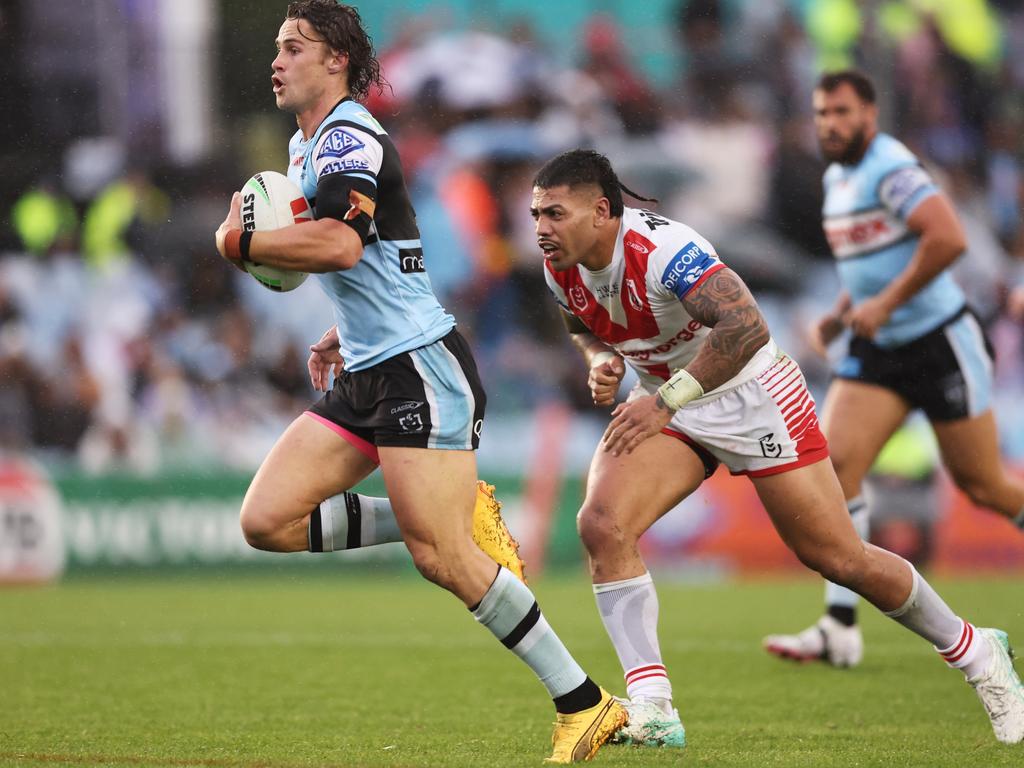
[[430, 397], [947, 373]]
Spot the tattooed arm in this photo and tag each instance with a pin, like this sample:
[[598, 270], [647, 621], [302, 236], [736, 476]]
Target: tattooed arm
[[723, 303], [738, 330]]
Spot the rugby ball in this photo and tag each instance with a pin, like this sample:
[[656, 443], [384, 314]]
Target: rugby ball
[[271, 201]]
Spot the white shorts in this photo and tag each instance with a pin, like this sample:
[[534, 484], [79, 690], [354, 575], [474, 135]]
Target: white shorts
[[764, 426]]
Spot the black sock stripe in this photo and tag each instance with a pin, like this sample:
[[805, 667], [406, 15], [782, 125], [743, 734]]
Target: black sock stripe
[[584, 696], [355, 521], [512, 639], [316, 533]]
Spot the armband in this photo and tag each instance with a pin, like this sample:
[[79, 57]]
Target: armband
[[236, 245], [680, 389]]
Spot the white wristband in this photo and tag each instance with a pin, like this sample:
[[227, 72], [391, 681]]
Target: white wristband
[[602, 357], [680, 389]]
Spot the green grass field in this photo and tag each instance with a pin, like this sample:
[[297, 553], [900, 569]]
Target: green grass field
[[285, 669]]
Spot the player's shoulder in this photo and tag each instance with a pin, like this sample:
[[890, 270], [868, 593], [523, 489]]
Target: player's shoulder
[[887, 154], [352, 114], [648, 233]]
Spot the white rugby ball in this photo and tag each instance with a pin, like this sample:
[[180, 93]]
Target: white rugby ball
[[271, 201]]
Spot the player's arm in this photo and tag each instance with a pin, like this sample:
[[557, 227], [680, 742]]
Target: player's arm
[[604, 363], [724, 304], [331, 242], [941, 242]]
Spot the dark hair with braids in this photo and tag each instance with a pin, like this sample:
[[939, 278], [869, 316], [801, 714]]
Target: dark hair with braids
[[342, 29], [585, 166], [860, 83]]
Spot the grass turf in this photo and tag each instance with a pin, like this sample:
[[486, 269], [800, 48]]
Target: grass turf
[[296, 669]]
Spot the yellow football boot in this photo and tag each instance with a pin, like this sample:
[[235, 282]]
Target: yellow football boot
[[490, 532], [578, 736]]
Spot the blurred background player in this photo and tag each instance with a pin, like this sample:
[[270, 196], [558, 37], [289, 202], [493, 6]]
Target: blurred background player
[[915, 342], [713, 387], [409, 397]]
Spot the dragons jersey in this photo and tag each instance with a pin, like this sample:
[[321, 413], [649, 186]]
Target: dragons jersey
[[635, 303], [865, 219], [384, 305]]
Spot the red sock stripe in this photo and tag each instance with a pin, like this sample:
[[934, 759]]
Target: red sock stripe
[[962, 645], [644, 677], [651, 670]]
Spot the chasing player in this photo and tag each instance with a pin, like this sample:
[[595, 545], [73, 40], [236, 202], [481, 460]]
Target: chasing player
[[713, 387], [915, 343], [409, 399]]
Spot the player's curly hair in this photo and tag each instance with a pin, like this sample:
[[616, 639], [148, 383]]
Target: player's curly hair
[[342, 29], [585, 166]]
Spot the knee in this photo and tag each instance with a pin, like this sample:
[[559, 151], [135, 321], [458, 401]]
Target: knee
[[981, 494], [431, 565], [601, 531], [845, 566], [258, 528]]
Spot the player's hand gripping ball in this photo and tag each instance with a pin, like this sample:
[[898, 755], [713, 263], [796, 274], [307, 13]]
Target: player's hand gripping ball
[[271, 201]]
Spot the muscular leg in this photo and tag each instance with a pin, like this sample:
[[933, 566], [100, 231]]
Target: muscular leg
[[806, 507], [970, 451], [625, 495], [308, 464], [433, 492]]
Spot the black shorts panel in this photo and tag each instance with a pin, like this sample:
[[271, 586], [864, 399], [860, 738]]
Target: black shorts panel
[[928, 373], [430, 397]]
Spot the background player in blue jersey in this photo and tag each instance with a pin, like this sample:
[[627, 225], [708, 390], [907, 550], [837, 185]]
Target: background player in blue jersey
[[915, 343], [408, 398]]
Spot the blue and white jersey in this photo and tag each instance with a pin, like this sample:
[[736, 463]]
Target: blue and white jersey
[[865, 218], [384, 305]]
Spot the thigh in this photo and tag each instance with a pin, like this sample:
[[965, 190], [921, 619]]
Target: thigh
[[310, 462], [634, 489], [970, 449], [807, 508], [858, 419]]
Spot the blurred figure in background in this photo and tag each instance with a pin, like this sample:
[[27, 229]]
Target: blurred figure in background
[[915, 343]]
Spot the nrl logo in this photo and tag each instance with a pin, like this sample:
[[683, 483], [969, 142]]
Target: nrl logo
[[413, 422], [770, 449]]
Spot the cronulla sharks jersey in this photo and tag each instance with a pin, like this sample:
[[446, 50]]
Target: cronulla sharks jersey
[[635, 303], [384, 305], [865, 218]]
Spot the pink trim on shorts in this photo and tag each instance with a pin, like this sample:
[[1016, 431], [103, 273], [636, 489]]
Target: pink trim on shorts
[[367, 449]]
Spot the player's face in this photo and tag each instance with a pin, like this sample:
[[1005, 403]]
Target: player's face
[[844, 123], [568, 223], [302, 67]]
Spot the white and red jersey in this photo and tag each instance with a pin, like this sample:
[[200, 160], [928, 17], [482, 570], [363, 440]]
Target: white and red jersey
[[635, 303]]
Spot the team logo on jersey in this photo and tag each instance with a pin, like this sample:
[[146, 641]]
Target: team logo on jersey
[[634, 295], [769, 448], [413, 422], [685, 268], [338, 143], [578, 297]]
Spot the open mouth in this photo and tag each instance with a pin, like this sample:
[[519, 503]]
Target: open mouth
[[278, 83], [550, 249]]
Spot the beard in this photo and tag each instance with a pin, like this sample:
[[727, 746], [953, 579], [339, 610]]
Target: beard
[[850, 153]]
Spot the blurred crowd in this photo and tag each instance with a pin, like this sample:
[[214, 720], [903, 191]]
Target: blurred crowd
[[126, 343]]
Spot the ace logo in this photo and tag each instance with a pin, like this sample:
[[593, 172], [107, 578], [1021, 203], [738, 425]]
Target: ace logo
[[338, 143], [413, 422]]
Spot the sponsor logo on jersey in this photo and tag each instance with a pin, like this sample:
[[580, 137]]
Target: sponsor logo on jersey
[[685, 268], [408, 405], [687, 334], [634, 295], [653, 220], [609, 291], [862, 233], [410, 260], [637, 243], [578, 297], [769, 448], [297, 160], [338, 143], [340, 166], [637, 246]]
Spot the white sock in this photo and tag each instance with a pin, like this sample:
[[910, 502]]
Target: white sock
[[629, 610], [508, 609], [926, 614], [861, 518], [350, 521]]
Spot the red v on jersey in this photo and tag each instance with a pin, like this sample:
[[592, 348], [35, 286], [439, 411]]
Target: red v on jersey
[[640, 321]]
